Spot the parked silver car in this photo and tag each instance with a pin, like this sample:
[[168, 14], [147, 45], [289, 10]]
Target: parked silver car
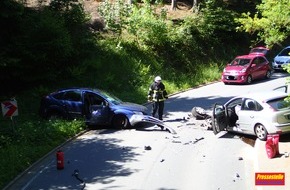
[[256, 114], [281, 59]]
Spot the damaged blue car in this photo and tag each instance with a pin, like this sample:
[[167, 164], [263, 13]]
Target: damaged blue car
[[97, 107]]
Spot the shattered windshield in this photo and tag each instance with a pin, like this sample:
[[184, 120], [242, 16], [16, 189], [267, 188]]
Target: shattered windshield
[[111, 98]]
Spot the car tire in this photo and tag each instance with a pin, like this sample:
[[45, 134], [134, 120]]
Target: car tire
[[198, 113], [120, 121], [249, 79], [268, 74], [214, 124], [261, 132]]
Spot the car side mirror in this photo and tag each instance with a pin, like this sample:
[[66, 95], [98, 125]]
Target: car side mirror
[[253, 65]]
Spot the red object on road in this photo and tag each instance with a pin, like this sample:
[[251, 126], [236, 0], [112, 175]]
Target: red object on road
[[272, 145], [60, 160]]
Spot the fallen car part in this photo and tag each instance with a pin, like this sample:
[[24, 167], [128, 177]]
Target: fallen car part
[[147, 148], [76, 175], [199, 113], [196, 140], [139, 119]]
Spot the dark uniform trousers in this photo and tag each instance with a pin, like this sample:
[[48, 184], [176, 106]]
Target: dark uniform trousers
[[158, 106]]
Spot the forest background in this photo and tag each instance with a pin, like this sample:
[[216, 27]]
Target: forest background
[[119, 47]]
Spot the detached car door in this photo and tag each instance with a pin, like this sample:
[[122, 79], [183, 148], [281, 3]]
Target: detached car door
[[219, 120]]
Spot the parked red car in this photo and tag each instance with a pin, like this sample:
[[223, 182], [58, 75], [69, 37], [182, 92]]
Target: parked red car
[[246, 68], [259, 50]]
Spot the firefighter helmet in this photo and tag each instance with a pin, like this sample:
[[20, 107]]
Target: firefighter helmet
[[158, 78]]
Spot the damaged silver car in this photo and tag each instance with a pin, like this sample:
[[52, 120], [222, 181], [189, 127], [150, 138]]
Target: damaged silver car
[[256, 114]]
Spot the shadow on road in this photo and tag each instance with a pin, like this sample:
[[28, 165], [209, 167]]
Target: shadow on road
[[285, 138]]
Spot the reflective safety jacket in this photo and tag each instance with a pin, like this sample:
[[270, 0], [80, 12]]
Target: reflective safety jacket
[[157, 92]]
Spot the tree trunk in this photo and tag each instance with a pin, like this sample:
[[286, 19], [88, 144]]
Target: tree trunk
[[173, 4], [195, 5]]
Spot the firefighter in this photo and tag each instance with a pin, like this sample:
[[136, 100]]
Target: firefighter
[[157, 94]]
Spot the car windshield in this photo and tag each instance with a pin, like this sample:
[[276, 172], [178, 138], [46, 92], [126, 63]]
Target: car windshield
[[241, 62], [111, 98], [279, 104], [285, 52]]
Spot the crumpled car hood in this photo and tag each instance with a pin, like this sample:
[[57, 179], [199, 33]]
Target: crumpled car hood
[[132, 107]]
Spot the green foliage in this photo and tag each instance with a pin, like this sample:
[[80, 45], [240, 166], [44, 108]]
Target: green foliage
[[62, 5], [150, 30], [270, 23], [217, 22], [114, 14], [46, 42], [196, 37]]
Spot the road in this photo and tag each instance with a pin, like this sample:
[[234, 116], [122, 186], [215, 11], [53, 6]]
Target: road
[[193, 158]]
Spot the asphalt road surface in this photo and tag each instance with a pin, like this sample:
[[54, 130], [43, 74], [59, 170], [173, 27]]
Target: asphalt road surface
[[152, 159]]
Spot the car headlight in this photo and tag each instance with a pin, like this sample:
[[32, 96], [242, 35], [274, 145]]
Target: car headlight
[[225, 70], [243, 70]]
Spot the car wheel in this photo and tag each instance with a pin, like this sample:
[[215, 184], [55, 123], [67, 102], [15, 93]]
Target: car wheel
[[214, 126], [120, 122], [198, 113], [268, 74], [249, 79], [261, 132]]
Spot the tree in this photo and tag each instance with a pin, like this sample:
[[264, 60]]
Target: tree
[[271, 23], [173, 4]]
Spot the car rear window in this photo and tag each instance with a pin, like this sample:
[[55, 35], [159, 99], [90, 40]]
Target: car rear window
[[279, 104], [258, 51]]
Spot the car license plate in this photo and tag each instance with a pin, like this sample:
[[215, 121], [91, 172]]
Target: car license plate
[[231, 77]]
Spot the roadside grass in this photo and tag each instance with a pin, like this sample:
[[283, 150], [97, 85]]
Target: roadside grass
[[27, 137], [24, 142]]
